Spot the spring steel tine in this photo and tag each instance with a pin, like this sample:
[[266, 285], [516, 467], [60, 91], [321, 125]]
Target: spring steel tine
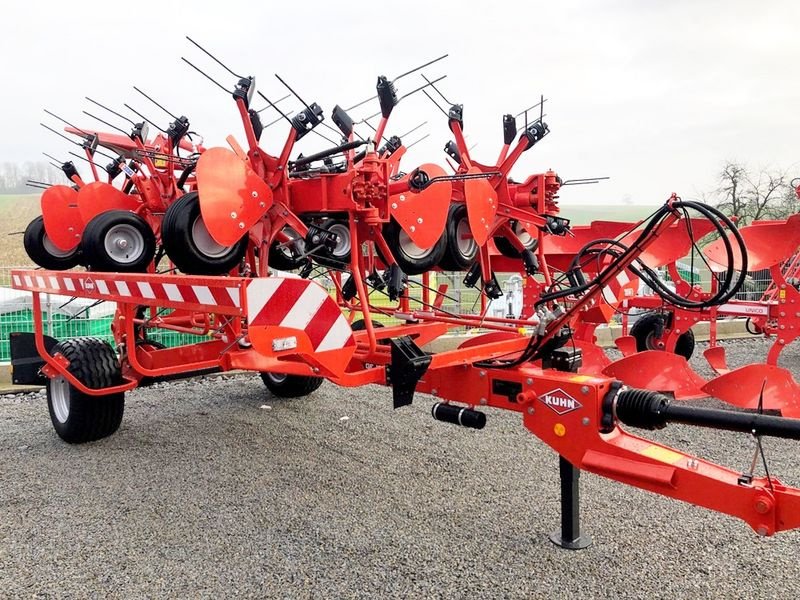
[[272, 104], [427, 135], [39, 183], [410, 131], [51, 157], [415, 69], [37, 186], [75, 154], [437, 89], [278, 101], [522, 112], [105, 122], [58, 133], [52, 114], [444, 112], [156, 103], [290, 113], [113, 112], [207, 76], [363, 102], [295, 94], [138, 114], [214, 58]]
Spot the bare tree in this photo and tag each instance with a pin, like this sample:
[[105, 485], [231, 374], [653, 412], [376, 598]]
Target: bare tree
[[749, 197]]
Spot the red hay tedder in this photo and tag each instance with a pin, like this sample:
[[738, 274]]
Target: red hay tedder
[[233, 222]]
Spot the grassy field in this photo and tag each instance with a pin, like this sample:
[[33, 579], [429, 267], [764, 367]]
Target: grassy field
[[15, 214]]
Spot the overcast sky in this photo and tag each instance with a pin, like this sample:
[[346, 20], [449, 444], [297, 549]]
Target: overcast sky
[[655, 95]]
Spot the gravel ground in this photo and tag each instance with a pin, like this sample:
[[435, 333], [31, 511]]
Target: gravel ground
[[213, 488]]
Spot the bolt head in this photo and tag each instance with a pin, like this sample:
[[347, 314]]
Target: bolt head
[[584, 389], [531, 410], [233, 215]]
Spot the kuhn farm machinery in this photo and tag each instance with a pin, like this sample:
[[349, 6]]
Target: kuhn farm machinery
[[352, 212]]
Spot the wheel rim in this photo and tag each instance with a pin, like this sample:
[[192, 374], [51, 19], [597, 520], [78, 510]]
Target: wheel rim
[[651, 342], [410, 249], [342, 232], [203, 241], [277, 377], [124, 244], [52, 250], [523, 236], [464, 241], [294, 241], [59, 398]]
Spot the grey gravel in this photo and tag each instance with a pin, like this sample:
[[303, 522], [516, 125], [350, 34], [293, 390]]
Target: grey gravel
[[205, 494]]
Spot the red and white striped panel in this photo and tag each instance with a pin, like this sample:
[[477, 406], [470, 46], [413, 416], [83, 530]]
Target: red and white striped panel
[[619, 288], [298, 304], [221, 296]]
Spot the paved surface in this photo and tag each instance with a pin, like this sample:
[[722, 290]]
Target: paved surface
[[206, 492]]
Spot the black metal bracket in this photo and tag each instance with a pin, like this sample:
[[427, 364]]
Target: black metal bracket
[[409, 364]]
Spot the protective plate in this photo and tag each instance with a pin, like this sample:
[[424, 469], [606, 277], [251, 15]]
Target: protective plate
[[62, 220], [658, 371], [626, 344], [99, 197], [232, 197], [481, 199], [423, 215], [767, 244], [715, 356], [742, 387]]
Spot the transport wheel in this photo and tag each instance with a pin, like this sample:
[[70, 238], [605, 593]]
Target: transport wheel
[[281, 257], [43, 252], [461, 249], [118, 241], [190, 246], [79, 417], [645, 331], [291, 386], [505, 247], [339, 257], [412, 259]]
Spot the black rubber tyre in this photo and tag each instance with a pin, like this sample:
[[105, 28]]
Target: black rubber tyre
[[188, 244], [118, 241], [339, 258], [412, 259], [78, 417], [291, 386], [360, 325], [42, 251], [644, 330], [282, 258], [459, 253], [506, 248]]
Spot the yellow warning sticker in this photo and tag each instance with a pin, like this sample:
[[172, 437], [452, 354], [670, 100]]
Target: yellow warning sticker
[[560, 430], [662, 454], [782, 294], [581, 378]]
